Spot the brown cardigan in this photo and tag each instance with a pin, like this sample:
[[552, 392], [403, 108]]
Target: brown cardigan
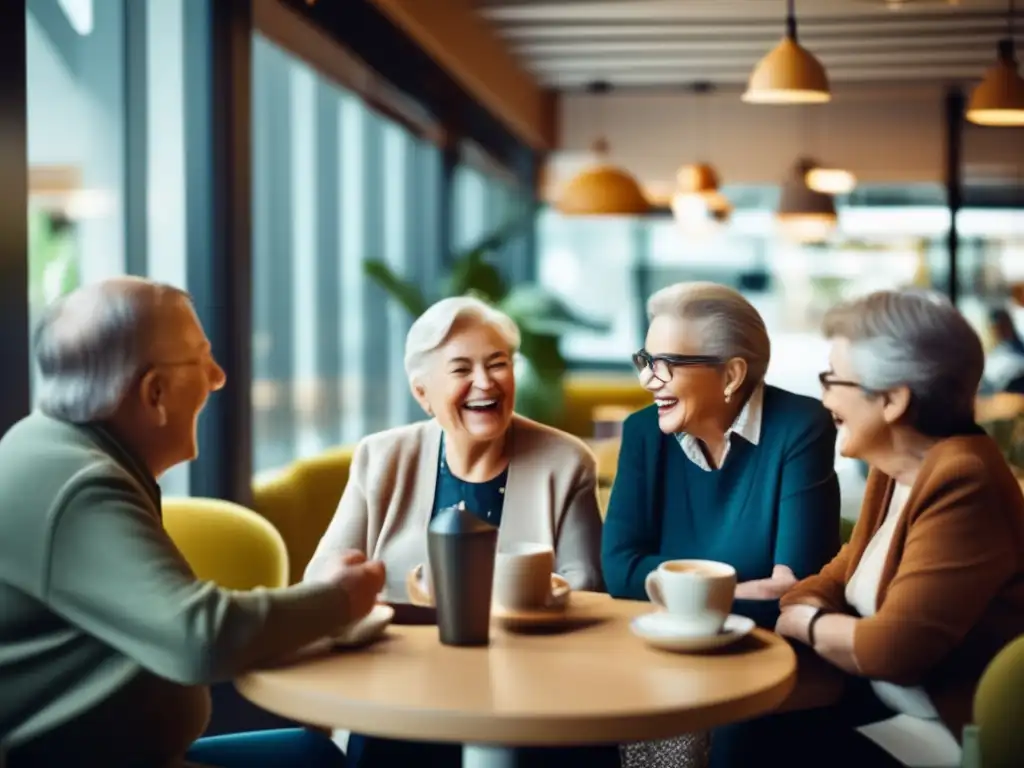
[[952, 589]]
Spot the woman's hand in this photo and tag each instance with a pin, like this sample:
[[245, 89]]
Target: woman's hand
[[781, 581], [833, 634], [794, 622]]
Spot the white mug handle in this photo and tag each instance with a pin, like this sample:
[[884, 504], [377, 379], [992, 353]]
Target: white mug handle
[[418, 588], [652, 585], [560, 590]]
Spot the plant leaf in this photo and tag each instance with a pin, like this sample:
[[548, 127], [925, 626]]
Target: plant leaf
[[475, 275], [539, 396], [405, 293], [539, 311]]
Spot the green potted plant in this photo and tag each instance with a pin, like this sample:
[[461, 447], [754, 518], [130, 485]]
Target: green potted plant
[[542, 318]]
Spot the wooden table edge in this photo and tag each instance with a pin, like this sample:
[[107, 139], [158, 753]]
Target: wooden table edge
[[521, 730]]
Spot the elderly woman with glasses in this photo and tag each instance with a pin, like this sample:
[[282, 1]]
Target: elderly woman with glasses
[[931, 585], [721, 466], [535, 483]]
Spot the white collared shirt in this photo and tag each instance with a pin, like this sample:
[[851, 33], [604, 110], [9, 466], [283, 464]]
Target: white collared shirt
[[747, 425]]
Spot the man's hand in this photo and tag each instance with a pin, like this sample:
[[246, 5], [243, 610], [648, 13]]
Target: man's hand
[[362, 581]]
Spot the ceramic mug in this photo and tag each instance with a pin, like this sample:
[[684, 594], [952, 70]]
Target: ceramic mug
[[418, 587], [698, 594], [524, 578]]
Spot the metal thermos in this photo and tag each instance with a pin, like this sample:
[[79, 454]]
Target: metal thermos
[[461, 548]]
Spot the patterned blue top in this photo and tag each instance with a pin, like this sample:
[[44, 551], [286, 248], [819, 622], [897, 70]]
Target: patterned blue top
[[485, 500]]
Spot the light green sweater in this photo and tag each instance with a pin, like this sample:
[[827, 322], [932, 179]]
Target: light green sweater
[[107, 639]]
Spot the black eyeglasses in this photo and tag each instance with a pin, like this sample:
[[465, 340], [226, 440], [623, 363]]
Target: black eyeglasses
[[660, 366], [826, 382]]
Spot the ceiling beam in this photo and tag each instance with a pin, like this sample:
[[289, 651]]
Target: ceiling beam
[[454, 35], [891, 60], [569, 49], [993, 24], [810, 13], [667, 79]]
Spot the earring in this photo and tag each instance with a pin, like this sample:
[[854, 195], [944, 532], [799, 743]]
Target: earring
[[728, 395]]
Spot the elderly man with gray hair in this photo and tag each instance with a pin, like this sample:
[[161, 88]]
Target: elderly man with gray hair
[[107, 639]]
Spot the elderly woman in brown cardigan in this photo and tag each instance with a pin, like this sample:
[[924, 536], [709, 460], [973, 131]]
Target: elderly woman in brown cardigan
[[931, 585]]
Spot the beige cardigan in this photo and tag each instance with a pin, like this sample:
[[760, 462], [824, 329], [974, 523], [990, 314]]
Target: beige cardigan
[[550, 498]]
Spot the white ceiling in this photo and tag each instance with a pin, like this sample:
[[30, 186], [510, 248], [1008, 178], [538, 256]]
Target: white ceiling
[[664, 43]]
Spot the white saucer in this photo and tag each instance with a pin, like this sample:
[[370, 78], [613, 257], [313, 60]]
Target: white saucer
[[366, 630], [661, 630]]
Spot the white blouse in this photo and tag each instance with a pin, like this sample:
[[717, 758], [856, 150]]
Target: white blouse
[[862, 594]]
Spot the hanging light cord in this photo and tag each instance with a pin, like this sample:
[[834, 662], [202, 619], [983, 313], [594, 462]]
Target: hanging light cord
[[791, 19], [1006, 46]]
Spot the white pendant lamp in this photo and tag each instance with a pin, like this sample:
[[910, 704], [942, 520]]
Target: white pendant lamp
[[789, 73], [830, 181], [700, 213], [998, 100]]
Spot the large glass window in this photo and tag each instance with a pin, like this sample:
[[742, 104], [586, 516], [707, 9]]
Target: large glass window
[[791, 285], [334, 184], [105, 131], [482, 203], [594, 265]]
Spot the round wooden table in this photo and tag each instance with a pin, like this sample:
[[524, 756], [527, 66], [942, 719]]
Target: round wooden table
[[594, 684]]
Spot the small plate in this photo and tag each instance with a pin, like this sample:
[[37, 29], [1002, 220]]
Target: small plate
[[660, 630], [366, 630]]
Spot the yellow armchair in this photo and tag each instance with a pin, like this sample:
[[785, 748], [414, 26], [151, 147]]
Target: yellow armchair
[[300, 501], [585, 393], [996, 736], [227, 543]]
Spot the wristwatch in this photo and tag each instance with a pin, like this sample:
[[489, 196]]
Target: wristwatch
[[818, 613]]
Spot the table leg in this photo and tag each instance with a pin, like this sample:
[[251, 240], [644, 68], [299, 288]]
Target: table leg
[[488, 756]]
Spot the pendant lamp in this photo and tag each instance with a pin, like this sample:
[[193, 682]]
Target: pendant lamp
[[700, 212], [697, 179], [789, 73], [603, 190], [998, 100], [700, 178], [830, 181], [803, 214]]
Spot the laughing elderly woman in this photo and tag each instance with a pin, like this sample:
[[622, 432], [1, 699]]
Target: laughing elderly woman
[[538, 485], [931, 585], [720, 467]]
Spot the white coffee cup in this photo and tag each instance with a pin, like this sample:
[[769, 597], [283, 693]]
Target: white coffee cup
[[524, 578], [698, 594]]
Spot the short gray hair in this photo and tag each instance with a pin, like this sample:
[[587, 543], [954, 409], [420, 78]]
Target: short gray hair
[[434, 327], [919, 340], [728, 325], [91, 345]]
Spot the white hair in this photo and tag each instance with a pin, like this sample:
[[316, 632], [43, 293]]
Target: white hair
[[91, 344], [727, 324], [919, 340], [434, 327]]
